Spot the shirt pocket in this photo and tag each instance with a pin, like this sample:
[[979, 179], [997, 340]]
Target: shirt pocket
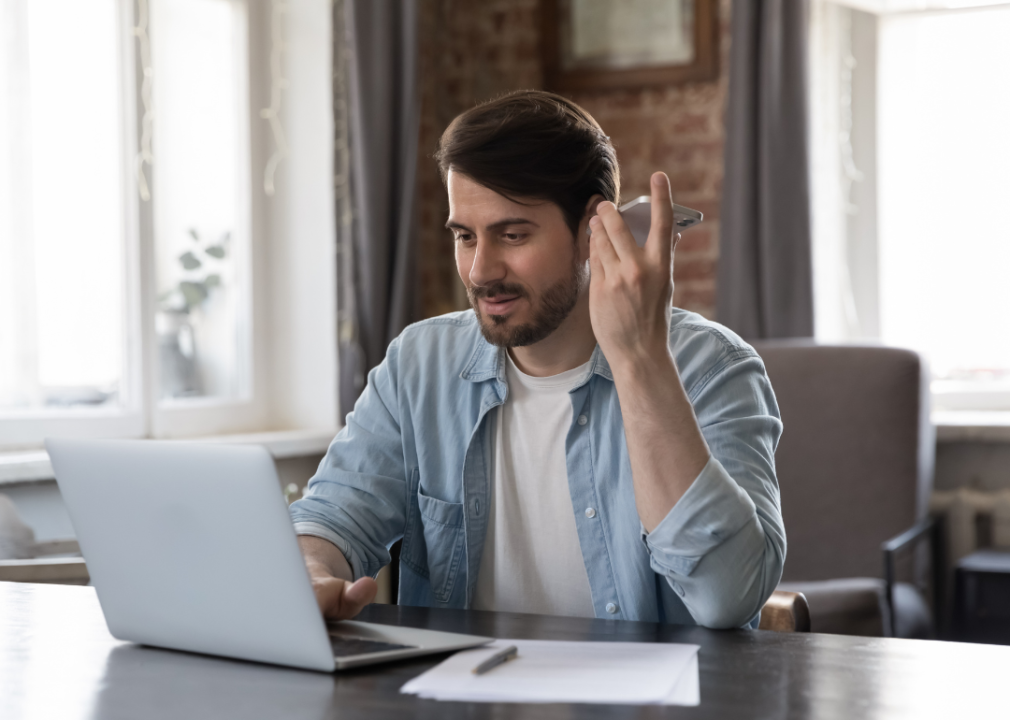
[[444, 537]]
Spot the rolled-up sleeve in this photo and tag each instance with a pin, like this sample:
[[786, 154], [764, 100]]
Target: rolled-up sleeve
[[722, 546], [357, 498]]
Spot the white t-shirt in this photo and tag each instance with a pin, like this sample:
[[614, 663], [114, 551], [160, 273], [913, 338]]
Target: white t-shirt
[[532, 561]]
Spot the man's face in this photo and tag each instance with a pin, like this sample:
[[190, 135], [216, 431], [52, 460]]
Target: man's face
[[521, 266]]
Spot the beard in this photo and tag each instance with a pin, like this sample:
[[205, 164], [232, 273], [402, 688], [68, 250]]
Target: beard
[[549, 309]]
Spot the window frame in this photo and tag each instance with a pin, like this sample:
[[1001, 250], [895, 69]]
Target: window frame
[[290, 270], [848, 312], [187, 417], [27, 428]]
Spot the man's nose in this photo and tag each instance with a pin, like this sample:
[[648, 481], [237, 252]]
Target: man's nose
[[488, 266]]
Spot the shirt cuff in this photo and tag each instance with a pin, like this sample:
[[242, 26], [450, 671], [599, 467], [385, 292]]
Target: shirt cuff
[[712, 510], [321, 531]]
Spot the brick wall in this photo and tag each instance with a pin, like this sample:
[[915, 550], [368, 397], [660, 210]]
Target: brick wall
[[471, 51]]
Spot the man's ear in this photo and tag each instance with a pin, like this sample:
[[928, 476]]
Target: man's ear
[[582, 241], [591, 206]]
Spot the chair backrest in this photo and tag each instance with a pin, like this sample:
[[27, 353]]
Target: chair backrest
[[855, 463]]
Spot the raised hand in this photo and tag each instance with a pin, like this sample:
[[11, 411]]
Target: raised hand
[[631, 291]]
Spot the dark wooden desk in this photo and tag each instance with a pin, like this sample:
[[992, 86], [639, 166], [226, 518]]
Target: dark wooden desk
[[57, 660]]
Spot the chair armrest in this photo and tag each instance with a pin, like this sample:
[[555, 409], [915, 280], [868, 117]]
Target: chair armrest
[[926, 528], [899, 542], [786, 612]]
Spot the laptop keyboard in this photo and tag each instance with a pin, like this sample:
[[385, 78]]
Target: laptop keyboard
[[347, 646]]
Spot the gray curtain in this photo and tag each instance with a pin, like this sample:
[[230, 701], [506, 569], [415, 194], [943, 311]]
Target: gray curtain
[[375, 251], [764, 282]]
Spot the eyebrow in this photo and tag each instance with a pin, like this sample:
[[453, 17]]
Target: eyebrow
[[452, 225]]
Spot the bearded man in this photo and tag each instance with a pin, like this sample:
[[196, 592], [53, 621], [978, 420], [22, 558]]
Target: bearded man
[[572, 445]]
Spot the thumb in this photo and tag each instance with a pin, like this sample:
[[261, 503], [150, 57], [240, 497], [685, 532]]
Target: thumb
[[356, 595]]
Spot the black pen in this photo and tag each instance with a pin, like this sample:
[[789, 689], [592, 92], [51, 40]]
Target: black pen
[[497, 659]]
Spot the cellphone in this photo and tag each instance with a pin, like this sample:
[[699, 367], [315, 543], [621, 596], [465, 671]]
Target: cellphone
[[638, 215]]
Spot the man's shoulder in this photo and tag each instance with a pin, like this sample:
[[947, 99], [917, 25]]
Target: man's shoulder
[[441, 338], [691, 330], [703, 347], [454, 324]]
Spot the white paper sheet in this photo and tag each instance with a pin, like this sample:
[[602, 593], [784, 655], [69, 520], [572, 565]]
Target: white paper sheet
[[568, 672]]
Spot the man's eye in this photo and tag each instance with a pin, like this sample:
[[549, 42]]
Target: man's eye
[[463, 237], [513, 236]]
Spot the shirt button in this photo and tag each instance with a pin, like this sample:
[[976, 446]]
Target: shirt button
[[476, 507], [583, 420], [679, 589], [590, 513], [611, 608]]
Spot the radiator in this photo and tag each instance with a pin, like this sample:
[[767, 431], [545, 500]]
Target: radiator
[[972, 519]]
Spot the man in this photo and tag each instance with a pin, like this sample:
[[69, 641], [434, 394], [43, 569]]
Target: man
[[573, 445]]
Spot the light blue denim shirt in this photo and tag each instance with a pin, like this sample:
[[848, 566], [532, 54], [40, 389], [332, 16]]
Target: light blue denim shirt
[[414, 462]]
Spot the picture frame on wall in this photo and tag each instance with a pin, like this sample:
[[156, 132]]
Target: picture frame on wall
[[621, 44]]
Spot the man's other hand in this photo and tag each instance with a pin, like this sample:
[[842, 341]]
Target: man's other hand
[[339, 598]]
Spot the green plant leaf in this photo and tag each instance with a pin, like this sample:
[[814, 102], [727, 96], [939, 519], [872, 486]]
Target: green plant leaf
[[212, 281], [194, 293], [193, 234], [189, 261], [215, 251]]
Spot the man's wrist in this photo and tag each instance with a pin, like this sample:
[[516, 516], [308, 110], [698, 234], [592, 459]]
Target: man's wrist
[[318, 567], [323, 558], [643, 364]]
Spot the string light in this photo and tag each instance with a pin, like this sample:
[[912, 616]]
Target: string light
[[278, 83], [850, 173], [144, 155]]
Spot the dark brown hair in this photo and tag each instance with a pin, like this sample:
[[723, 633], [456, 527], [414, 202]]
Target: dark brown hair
[[535, 145]]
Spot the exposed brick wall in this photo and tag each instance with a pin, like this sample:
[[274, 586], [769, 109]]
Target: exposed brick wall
[[471, 51]]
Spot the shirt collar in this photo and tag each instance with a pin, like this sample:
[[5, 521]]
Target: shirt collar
[[487, 362]]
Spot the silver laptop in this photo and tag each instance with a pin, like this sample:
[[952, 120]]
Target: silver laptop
[[190, 547]]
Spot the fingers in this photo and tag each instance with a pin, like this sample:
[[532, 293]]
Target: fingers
[[600, 245], [596, 271], [339, 599], [617, 230], [357, 595], [612, 243], [328, 590], [660, 241]]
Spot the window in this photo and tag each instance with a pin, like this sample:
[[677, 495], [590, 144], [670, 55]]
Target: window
[[64, 221], [912, 172], [201, 183], [151, 276]]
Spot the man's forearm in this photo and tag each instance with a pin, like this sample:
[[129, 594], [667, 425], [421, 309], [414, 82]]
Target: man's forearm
[[666, 448], [324, 555]]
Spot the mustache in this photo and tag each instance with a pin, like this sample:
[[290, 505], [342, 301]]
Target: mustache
[[496, 289]]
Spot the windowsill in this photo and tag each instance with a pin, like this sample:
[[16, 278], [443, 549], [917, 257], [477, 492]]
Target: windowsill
[[33, 466], [972, 426]]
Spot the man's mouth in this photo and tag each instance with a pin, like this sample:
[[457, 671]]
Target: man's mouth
[[498, 304]]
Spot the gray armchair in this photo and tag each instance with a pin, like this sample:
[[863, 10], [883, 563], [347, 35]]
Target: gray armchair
[[855, 469]]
